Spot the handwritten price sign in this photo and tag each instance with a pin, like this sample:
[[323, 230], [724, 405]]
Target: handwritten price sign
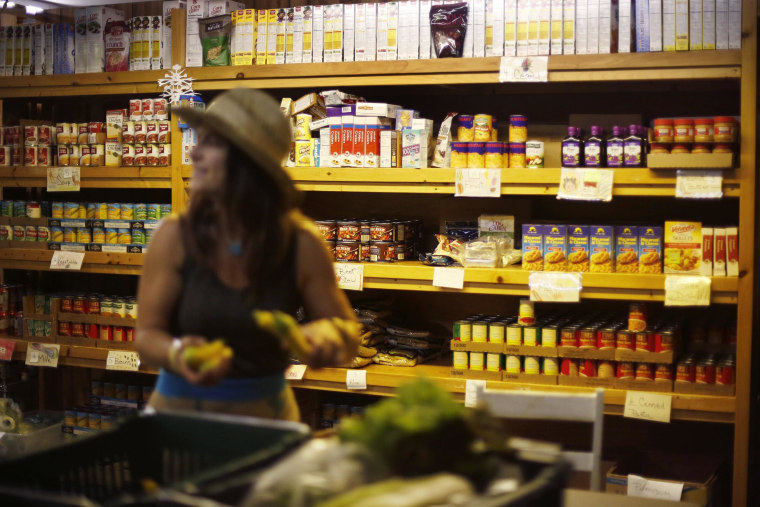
[[521, 69], [349, 276], [647, 406], [122, 360], [43, 354], [63, 179], [555, 287], [67, 261], [683, 290]]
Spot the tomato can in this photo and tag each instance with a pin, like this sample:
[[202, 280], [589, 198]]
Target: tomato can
[[347, 251], [79, 305], [513, 364], [569, 336], [570, 367], [514, 334], [129, 334], [119, 308], [106, 333], [625, 340], [496, 332], [493, 362], [625, 370], [93, 305], [587, 338], [663, 372], [686, 370], [92, 331], [587, 368], [463, 331], [64, 328], [637, 317], [30, 156], [644, 341], [477, 361], [725, 372], [663, 340], [480, 331], [644, 371], [605, 369], [44, 156], [549, 366], [705, 373], [606, 338], [461, 360], [77, 329], [118, 334]]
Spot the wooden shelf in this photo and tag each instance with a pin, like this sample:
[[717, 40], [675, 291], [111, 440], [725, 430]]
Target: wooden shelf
[[696, 65], [627, 182], [92, 177], [94, 262], [383, 380], [513, 281], [73, 355]]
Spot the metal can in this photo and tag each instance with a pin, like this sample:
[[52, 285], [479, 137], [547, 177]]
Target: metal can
[[605, 369], [33, 210], [30, 156], [140, 155], [663, 340], [349, 231], [625, 370], [69, 235], [82, 133], [77, 329], [381, 231], [166, 210], [106, 307], [347, 251], [549, 366], [141, 130], [514, 334], [67, 304], [532, 365], [140, 211], [164, 132], [477, 361], [725, 372], [663, 372], [91, 210], [94, 421], [463, 331], [381, 251], [64, 328], [138, 236], [644, 341], [6, 232], [151, 131], [98, 235], [44, 135], [126, 211], [154, 211], [127, 155], [75, 154], [85, 155], [461, 360], [149, 236], [112, 236], [118, 334], [587, 338], [93, 305], [526, 314], [30, 135], [92, 331], [570, 367], [705, 373], [19, 233], [364, 254], [6, 209], [637, 317], [128, 132], [644, 371], [530, 336], [513, 364], [569, 336], [108, 390], [400, 251], [129, 334], [124, 236], [30, 233], [44, 156], [6, 158], [119, 308], [480, 331], [43, 234], [587, 368], [151, 154], [84, 235], [626, 340], [130, 307], [549, 336], [19, 208], [686, 370], [113, 211], [606, 338], [496, 332], [493, 362], [70, 417], [106, 333], [79, 304]]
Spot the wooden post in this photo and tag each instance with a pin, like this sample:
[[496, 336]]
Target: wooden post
[[179, 22]]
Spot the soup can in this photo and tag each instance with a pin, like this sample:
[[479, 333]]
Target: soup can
[[532, 365], [513, 364], [463, 330], [570, 367]]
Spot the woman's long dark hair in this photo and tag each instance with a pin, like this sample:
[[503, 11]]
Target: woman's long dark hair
[[252, 200]]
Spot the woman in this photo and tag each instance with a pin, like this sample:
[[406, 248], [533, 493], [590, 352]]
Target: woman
[[241, 245]]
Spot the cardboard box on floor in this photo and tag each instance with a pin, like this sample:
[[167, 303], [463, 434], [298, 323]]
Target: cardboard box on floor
[[578, 498], [698, 473]]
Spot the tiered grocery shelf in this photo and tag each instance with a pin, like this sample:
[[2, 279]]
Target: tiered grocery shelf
[[91, 177], [94, 262], [73, 355]]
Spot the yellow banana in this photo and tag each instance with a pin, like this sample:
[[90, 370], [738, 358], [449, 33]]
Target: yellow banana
[[286, 329], [207, 356]]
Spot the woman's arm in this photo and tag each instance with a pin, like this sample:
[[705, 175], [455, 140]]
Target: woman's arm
[[323, 300]]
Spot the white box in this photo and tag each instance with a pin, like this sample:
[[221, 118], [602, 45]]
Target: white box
[[708, 24], [155, 42], [426, 48], [97, 17], [556, 22], [282, 32], [193, 48], [337, 38], [145, 43], [370, 36], [166, 30], [655, 25], [324, 145], [734, 24], [329, 28], [289, 30], [581, 27], [388, 139], [219, 7], [642, 25], [18, 44], [544, 27], [608, 29], [414, 47], [298, 22], [392, 45], [510, 27], [479, 24], [271, 31], [38, 43], [349, 19], [360, 32], [2, 54], [719, 261], [403, 30], [535, 9], [568, 27], [695, 25], [682, 25], [49, 49], [468, 49], [721, 24], [523, 20], [382, 32], [26, 51], [668, 25], [626, 34], [495, 8], [376, 109], [592, 28], [80, 41], [732, 251], [318, 43], [197, 9], [261, 37]]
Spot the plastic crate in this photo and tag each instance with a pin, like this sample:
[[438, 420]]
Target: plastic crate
[[174, 451], [15, 445]]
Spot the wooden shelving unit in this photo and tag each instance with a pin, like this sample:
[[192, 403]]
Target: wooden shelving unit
[[94, 262], [73, 355], [92, 177]]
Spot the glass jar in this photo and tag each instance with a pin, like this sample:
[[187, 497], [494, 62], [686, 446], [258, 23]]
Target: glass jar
[[700, 148], [722, 148], [683, 130], [703, 130], [679, 148], [663, 130], [724, 129], [658, 148]]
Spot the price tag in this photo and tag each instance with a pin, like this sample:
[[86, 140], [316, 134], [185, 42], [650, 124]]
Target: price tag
[[699, 184], [641, 487], [43, 354], [585, 184], [477, 183], [349, 276], [451, 278], [647, 406], [295, 372], [685, 290], [70, 261], [63, 179], [122, 360], [520, 69], [356, 379], [471, 391], [555, 287], [6, 349]]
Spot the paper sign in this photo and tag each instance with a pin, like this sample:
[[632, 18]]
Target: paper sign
[[477, 183], [647, 406], [42, 354], [555, 287], [356, 379], [349, 276], [63, 179], [71, 261], [451, 278], [522, 69], [641, 487], [699, 184], [295, 372], [471, 391], [685, 290], [585, 184], [122, 360], [6, 349]]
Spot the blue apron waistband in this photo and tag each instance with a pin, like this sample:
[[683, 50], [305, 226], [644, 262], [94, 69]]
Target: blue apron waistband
[[244, 389]]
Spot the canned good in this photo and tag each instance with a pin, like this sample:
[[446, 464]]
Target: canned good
[[626, 339], [112, 236], [113, 211], [129, 334], [126, 211], [148, 109], [400, 251], [98, 235], [130, 307], [30, 233], [686, 370], [118, 334], [477, 361], [349, 231], [79, 304], [725, 372], [70, 417], [124, 236], [663, 341], [463, 330], [84, 235], [527, 313], [75, 154], [644, 341], [164, 132], [44, 156], [569, 336], [587, 338], [493, 362], [530, 336], [138, 236], [513, 364], [6, 158], [625, 370], [141, 131], [637, 317], [83, 419], [347, 251], [140, 155], [63, 133], [119, 308], [151, 131], [532, 365], [644, 371], [43, 234], [496, 332], [514, 334], [94, 421], [606, 338], [587, 368], [151, 154], [705, 372], [64, 328], [166, 210], [106, 333], [67, 303], [69, 235], [480, 331], [92, 331], [381, 231], [149, 236], [663, 372], [82, 133], [364, 255], [381, 251], [77, 329], [120, 391], [549, 336], [570, 367], [6, 232], [140, 211], [133, 393], [19, 233], [605, 369], [19, 208], [30, 156], [33, 210]]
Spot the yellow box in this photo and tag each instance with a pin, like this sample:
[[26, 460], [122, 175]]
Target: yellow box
[[683, 247]]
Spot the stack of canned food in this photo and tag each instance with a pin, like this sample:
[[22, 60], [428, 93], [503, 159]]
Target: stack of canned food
[[706, 369], [477, 144], [110, 211], [80, 144], [146, 134], [11, 152], [37, 149], [96, 304], [371, 240], [108, 404]]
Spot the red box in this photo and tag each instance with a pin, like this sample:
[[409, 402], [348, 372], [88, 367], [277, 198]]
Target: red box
[[336, 125], [360, 126], [347, 135]]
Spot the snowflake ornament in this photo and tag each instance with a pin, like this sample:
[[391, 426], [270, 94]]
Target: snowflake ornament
[[175, 84]]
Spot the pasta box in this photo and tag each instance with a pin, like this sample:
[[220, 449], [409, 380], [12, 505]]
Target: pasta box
[[601, 249], [555, 247], [627, 249], [533, 247]]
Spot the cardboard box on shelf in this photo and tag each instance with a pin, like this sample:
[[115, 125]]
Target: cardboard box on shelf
[[668, 25], [655, 25], [80, 41], [592, 28], [97, 17], [682, 25], [721, 24], [568, 27], [708, 24], [166, 30], [510, 27], [581, 27], [556, 14]]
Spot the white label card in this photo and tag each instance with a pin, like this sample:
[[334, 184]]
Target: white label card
[[647, 406], [43, 354], [471, 391], [450, 278], [295, 372], [686, 290], [555, 287], [70, 261], [63, 179], [122, 360], [356, 379], [522, 69], [349, 276], [662, 490], [477, 183], [585, 184], [699, 184]]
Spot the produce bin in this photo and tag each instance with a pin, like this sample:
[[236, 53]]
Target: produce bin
[[159, 451], [16, 445]]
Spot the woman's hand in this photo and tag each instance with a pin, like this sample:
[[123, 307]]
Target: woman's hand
[[329, 340], [200, 377]]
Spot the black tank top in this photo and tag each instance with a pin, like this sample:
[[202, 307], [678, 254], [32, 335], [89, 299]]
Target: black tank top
[[209, 308]]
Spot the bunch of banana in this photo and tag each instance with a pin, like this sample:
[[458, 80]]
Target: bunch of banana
[[207, 356], [285, 327]]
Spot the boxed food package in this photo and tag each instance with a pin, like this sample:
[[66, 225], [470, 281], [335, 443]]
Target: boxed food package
[[318, 36], [376, 109], [413, 148], [389, 148], [97, 18], [650, 249], [113, 154], [347, 135], [502, 226], [578, 248], [683, 247], [602, 249], [627, 249], [217, 7], [732, 251], [261, 36], [116, 37], [114, 125], [166, 30], [533, 247], [719, 252], [80, 40], [708, 243], [334, 114], [555, 247], [360, 128]]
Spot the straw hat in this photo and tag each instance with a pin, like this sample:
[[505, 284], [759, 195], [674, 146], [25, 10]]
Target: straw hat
[[251, 120]]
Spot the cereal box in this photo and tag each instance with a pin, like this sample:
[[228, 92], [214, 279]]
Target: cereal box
[[532, 247], [601, 249], [650, 249], [555, 247], [708, 238], [719, 252], [411, 148], [627, 249], [683, 247], [578, 248]]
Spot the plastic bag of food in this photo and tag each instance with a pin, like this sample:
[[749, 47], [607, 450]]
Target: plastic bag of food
[[482, 253], [215, 39], [448, 26], [449, 247]]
